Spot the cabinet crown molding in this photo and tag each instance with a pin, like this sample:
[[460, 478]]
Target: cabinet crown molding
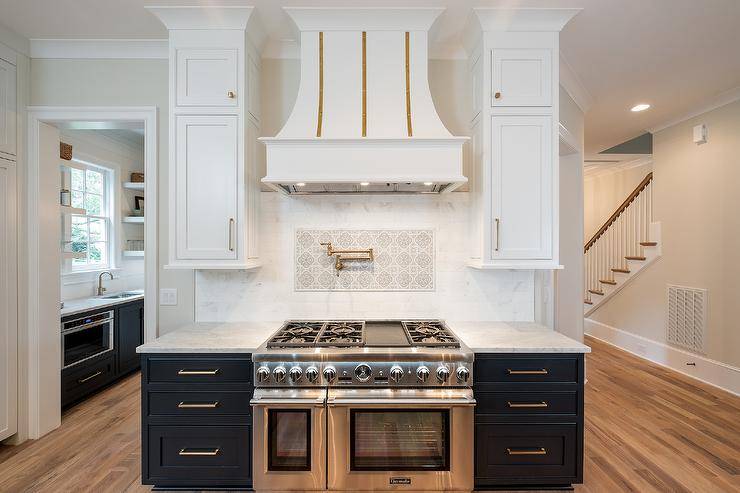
[[363, 19], [523, 19], [202, 16]]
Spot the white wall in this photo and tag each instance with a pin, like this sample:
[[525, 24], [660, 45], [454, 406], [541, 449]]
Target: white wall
[[696, 200]]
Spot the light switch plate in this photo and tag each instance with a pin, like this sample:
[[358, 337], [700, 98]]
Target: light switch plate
[[168, 297]]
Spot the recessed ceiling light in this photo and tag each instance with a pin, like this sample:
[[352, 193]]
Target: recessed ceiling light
[[428, 183], [301, 184], [640, 107], [364, 183]]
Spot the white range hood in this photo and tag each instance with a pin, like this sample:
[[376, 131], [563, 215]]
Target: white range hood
[[364, 120]]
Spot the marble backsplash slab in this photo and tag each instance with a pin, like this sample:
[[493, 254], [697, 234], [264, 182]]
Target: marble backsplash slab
[[403, 260]]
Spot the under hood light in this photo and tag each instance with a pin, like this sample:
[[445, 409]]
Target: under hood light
[[364, 183], [428, 183], [301, 184]]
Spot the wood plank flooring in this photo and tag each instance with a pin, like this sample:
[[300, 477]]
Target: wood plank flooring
[[648, 429]]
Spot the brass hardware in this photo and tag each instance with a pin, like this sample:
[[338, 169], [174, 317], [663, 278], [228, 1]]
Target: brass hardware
[[197, 372], [199, 453], [497, 95], [83, 380], [340, 258], [364, 84], [321, 83], [231, 234], [527, 372], [198, 405], [526, 405], [231, 94], [498, 222], [408, 88], [534, 451]]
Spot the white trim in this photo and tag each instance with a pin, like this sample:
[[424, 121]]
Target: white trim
[[363, 18], [202, 16], [709, 371], [52, 114], [524, 19], [568, 140], [721, 99], [99, 48], [573, 85], [14, 41]]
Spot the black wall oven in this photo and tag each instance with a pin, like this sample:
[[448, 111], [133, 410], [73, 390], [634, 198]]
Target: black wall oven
[[87, 337]]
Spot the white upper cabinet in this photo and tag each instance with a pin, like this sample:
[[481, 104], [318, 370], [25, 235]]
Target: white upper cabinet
[[207, 77], [521, 77], [7, 109], [522, 187], [208, 178]]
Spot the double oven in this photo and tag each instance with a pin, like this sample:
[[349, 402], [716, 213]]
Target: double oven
[[363, 439]]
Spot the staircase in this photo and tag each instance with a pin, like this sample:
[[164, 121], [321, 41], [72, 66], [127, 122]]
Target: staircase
[[626, 244]]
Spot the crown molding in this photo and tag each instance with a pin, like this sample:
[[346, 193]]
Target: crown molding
[[202, 16], [572, 84], [99, 48], [363, 19], [721, 99], [14, 41], [523, 19]]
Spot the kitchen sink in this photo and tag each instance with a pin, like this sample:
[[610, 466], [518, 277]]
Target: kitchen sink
[[118, 296]]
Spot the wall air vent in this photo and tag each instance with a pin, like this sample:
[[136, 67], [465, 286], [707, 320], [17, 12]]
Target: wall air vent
[[686, 320]]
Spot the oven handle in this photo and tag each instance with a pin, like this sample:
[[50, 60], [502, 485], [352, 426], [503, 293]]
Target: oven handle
[[97, 323], [334, 402], [286, 402]]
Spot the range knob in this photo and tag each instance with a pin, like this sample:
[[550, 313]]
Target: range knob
[[396, 373], [312, 373], [295, 374], [330, 373], [463, 374], [422, 373], [443, 374], [263, 374], [363, 372], [279, 373]]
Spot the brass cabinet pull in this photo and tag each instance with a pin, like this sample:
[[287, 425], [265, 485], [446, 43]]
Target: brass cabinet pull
[[527, 372], [231, 94], [231, 234], [531, 451], [526, 404], [497, 95], [199, 452], [197, 372], [96, 374], [498, 221], [198, 405]]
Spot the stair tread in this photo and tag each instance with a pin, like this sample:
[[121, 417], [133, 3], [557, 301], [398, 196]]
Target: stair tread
[[596, 291], [608, 281], [635, 257], [623, 271], [649, 243], [588, 302]]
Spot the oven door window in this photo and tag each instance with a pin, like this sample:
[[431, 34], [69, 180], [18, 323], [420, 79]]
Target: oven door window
[[85, 343], [400, 440], [289, 440]]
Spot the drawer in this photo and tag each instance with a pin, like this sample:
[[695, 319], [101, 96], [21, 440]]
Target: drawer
[[199, 370], [536, 453], [197, 455], [526, 403], [199, 403], [86, 377], [526, 369]]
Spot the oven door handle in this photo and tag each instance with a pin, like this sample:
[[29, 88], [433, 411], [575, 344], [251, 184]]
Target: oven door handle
[[457, 402], [287, 402]]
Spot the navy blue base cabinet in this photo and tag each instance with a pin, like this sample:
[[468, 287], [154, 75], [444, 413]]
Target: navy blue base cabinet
[[528, 420], [196, 421]]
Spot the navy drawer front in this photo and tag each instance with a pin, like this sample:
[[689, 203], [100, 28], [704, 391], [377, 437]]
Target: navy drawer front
[[199, 370], [538, 453], [516, 370], [526, 403], [79, 381], [199, 403], [199, 455]]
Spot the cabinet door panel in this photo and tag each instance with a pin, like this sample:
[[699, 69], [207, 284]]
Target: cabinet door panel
[[521, 77], [522, 187], [7, 109], [130, 335], [207, 187], [207, 77]]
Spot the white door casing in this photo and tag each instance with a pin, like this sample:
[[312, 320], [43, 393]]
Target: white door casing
[[7, 109], [8, 302], [521, 77]]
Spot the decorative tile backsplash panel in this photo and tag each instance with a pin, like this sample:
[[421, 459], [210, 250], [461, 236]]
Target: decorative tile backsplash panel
[[404, 260]]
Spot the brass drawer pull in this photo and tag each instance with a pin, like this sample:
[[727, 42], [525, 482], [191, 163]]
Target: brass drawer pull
[[198, 405], [527, 372], [199, 452], [197, 372], [96, 374], [530, 451], [526, 404]]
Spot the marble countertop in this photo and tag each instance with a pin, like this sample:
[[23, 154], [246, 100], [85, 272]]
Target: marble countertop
[[481, 337], [72, 307]]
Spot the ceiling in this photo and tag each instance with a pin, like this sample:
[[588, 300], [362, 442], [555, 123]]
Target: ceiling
[[674, 54]]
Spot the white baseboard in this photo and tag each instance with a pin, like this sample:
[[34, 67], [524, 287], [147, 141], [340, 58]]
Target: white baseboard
[[715, 373]]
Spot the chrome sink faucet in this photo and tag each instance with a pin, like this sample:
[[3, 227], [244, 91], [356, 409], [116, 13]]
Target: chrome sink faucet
[[101, 289]]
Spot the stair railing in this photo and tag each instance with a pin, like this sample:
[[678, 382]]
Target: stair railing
[[618, 238]]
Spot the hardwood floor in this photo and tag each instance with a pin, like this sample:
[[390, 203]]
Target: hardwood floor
[[648, 429]]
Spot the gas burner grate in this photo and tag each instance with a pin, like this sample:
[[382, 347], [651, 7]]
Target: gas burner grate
[[342, 334], [429, 333], [296, 334]]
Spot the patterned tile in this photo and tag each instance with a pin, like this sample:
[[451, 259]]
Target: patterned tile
[[404, 260]]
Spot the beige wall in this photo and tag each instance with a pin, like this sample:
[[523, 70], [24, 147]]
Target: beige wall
[[604, 192], [696, 200]]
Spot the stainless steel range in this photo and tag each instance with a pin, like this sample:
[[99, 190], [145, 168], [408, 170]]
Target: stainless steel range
[[363, 406]]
